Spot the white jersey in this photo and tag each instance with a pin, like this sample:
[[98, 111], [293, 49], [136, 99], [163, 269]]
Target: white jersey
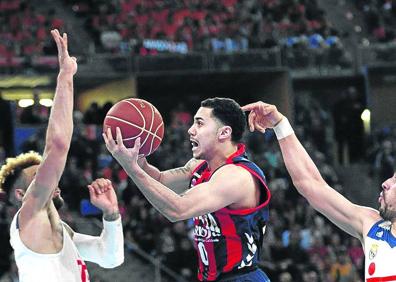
[[65, 265], [380, 252]]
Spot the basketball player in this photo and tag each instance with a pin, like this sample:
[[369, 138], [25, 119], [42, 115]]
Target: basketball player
[[45, 248], [376, 230], [219, 187]]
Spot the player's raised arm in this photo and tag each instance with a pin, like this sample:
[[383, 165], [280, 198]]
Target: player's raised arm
[[306, 178], [59, 133]]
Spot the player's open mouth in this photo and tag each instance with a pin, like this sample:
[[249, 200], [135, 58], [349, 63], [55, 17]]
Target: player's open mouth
[[380, 198], [194, 144]]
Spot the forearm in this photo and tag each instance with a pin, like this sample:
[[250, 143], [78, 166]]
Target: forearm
[[175, 179], [107, 250], [160, 196], [60, 124], [150, 169], [299, 164]]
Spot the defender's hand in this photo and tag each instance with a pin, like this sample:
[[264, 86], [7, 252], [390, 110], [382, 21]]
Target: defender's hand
[[103, 196], [67, 64], [262, 116]]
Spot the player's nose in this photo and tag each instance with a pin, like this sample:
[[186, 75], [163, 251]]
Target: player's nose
[[191, 130]]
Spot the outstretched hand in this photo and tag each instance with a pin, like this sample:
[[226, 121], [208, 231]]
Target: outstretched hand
[[262, 116], [127, 158], [103, 196], [67, 64]]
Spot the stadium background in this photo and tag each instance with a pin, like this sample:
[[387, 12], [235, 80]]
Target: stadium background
[[329, 65]]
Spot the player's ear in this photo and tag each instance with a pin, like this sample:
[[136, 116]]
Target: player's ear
[[225, 132], [19, 193]]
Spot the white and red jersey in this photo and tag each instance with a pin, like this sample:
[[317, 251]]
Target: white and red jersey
[[380, 252], [65, 265]]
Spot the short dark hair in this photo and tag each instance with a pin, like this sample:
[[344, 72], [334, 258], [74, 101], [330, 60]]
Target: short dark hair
[[229, 113]]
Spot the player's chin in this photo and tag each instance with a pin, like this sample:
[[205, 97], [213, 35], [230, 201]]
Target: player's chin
[[196, 155], [58, 201]]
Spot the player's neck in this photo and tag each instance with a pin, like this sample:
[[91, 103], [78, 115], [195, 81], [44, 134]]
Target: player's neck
[[393, 228], [52, 211], [221, 156]]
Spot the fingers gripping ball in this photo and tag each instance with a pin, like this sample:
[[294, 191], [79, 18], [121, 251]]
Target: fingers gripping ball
[[136, 118]]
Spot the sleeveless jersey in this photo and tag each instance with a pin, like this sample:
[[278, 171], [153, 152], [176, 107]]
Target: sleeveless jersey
[[65, 265], [229, 240], [380, 253]]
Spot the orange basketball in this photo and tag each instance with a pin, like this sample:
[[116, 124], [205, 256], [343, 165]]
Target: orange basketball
[[136, 118]]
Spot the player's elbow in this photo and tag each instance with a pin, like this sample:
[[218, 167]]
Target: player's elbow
[[309, 188], [57, 144], [173, 217], [179, 213], [300, 185]]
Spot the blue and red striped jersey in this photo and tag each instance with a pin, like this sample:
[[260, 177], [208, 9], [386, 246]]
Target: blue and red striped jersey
[[228, 240]]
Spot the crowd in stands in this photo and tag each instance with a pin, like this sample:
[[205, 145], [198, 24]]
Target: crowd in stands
[[297, 27], [379, 17], [382, 153], [24, 35], [300, 27], [299, 245]]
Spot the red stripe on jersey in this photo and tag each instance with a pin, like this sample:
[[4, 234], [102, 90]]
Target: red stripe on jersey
[[212, 272], [198, 167], [239, 152], [382, 279], [233, 244], [200, 264], [84, 271]]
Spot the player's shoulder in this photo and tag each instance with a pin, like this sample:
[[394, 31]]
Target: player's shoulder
[[369, 218], [194, 164], [68, 229], [28, 214], [232, 172]]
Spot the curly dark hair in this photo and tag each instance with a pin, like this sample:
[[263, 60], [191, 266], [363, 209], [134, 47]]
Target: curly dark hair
[[11, 171], [229, 113]]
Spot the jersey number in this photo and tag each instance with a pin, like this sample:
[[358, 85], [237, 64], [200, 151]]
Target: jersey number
[[203, 253]]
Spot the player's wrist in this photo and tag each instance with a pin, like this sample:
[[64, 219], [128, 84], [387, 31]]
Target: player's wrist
[[111, 214], [283, 128], [65, 74]]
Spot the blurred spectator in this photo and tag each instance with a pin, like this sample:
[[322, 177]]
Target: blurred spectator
[[385, 160], [285, 277], [6, 127], [342, 269], [36, 113], [105, 108], [356, 253], [379, 18], [92, 114], [349, 126], [5, 248], [180, 117]]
